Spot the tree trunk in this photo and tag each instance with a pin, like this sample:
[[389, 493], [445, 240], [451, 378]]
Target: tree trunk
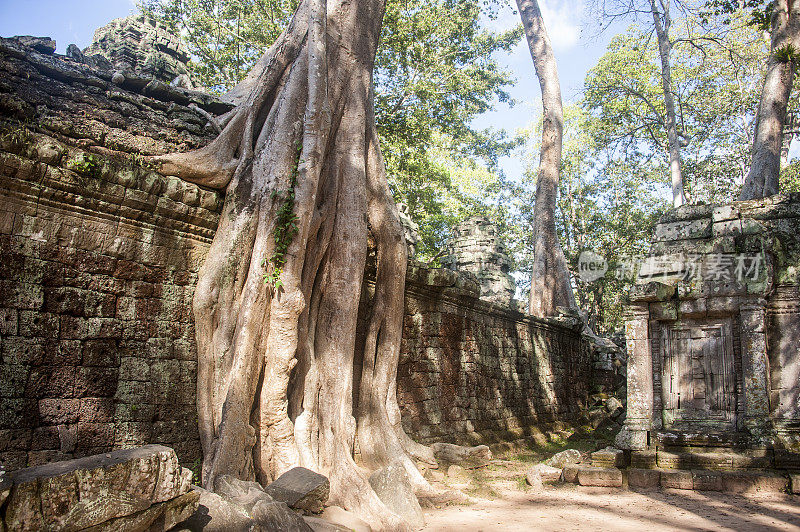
[[762, 179], [550, 281], [305, 182], [664, 46]]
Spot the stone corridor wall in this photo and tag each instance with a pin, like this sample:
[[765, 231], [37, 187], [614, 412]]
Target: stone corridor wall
[[474, 372], [98, 260]]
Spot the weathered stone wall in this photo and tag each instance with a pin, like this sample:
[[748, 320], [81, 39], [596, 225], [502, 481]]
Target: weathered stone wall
[[98, 260], [475, 372]]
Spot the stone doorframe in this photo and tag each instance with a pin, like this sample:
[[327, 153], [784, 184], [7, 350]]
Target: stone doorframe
[[642, 419]]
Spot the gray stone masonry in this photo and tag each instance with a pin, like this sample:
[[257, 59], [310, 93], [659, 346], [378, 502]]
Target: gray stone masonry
[[712, 330], [476, 247]]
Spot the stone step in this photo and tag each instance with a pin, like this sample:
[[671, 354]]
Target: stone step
[[742, 482], [725, 460]]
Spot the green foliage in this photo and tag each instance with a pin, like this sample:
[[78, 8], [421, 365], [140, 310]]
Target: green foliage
[[85, 164], [197, 469], [435, 70], [224, 37], [787, 54], [285, 228], [760, 12], [717, 79], [790, 178], [15, 136]]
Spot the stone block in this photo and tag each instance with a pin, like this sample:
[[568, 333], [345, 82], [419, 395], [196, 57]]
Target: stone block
[[564, 458], [467, 457], [644, 460], [663, 311], [394, 489], [794, 478], [570, 473], [609, 457], [704, 480], [600, 476], [544, 472], [677, 479], [301, 489], [644, 478], [754, 482], [85, 492]]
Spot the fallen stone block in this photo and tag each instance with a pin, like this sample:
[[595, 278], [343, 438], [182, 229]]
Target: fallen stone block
[[160, 517], [703, 480], [545, 472], [570, 473], [569, 456], [85, 492], [394, 489], [217, 513], [342, 517], [754, 482], [795, 480], [600, 476], [301, 489], [466, 457], [677, 479], [644, 478], [609, 457]]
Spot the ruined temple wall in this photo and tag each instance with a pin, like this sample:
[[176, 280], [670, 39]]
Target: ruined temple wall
[[474, 372], [98, 260]]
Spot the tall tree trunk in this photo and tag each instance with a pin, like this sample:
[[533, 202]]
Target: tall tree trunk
[[664, 48], [299, 156], [550, 282], [762, 179]]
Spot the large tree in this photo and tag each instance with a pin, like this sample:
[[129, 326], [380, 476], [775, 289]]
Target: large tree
[[436, 69], [550, 282], [304, 181], [763, 178]]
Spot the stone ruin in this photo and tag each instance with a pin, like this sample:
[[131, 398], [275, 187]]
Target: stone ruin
[[713, 337], [139, 44], [476, 247]]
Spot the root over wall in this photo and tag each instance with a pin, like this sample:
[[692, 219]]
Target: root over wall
[[98, 261]]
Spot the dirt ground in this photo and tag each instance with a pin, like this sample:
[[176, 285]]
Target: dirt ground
[[497, 498], [568, 507]]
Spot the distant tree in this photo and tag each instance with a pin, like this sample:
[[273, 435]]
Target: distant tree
[[550, 281], [716, 81], [661, 14]]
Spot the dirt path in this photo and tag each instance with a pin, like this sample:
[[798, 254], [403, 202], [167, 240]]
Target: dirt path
[[565, 507]]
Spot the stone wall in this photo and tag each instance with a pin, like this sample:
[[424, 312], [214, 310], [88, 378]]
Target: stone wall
[[475, 372], [98, 260]]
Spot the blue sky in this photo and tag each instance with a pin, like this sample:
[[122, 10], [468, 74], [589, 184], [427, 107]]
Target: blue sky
[[576, 48]]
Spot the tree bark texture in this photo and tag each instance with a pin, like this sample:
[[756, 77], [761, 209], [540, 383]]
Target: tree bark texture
[[762, 179], [276, 364], [550, 281], [662, 22]]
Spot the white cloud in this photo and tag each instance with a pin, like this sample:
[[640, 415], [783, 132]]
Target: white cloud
[[563, 18]]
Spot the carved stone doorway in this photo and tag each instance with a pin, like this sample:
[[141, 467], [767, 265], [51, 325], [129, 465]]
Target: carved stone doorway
[[699, 376]]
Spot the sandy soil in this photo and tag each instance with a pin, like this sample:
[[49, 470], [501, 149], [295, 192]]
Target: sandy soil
[[497, 499], [568, 507]]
